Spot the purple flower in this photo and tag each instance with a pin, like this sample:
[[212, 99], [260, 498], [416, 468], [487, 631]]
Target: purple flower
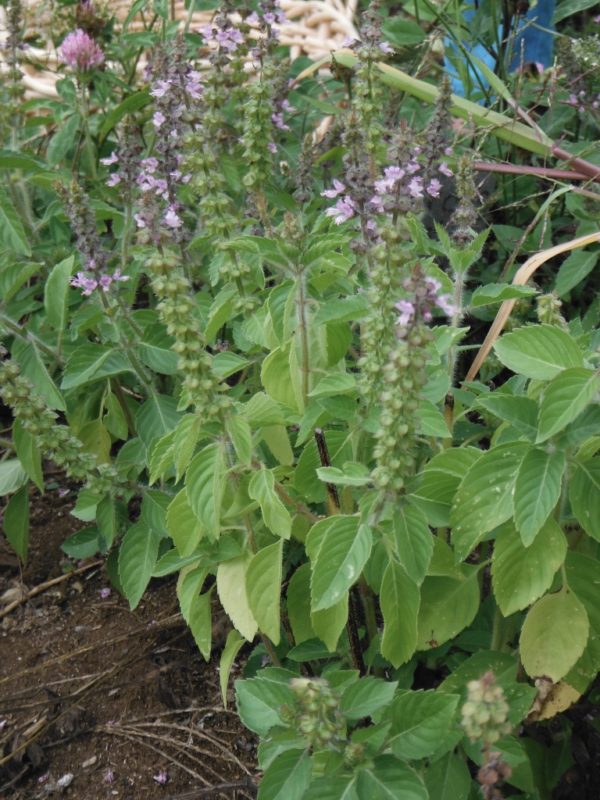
[[338, 188], [140, 221], [445, 304], [445, 170], [161, 777], [277, 120], [253, 19], [160, 88], [376, 204], [193, 84], [229, 39], [109, 776], [386, 48], [85, 283], [272, 147], [105, 593], [433, 188], [80, 51], [407, 312], [158, 119], [415, 187], [113, 179], [343, 210], [112, 159], [391, 176], [172, 219]]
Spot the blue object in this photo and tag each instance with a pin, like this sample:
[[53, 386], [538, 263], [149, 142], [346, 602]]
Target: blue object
[[533, 43]]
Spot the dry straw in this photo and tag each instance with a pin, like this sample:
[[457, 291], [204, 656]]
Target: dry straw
[[314, 28]]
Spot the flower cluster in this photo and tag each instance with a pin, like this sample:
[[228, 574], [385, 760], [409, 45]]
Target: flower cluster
[[80, 52], [177, 310], [425, 297], [485, 714], [318, 715], [396, 191], [177, 90], [55, 441], [95, 273]]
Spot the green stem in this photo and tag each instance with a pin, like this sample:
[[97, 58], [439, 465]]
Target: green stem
[[17, 330], [303, 331]]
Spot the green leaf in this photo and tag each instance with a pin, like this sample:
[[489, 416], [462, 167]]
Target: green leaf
[[96, 440], [351, 475], [484, 498], [233, 645], [298, 604], [389, 779], [259, 700], [228, 363], [156, 417], [155, 351], [127, 106], [287, 777], [12, 233], [55, 293], [568, 8], [334, 385], [83, 544], [498, 293], [277, 440], [413, 539], [520, 412], [92, 362], [338, 548], [278, 380], [205, 484], [29, 454], [365, 696], [220, 312], [431, 421], [262, 410], [231, 587], [183, 525], [196, 608], [448, 605], [521, 574], [345, 309], [16, 522], [263, 589], [583, 575], [63, 140], [538, 351], [537, 490], [564, 399], [584, 496], [420, 723], [33, 368], [240, 433], [400, 599], [329, 623], [12, 476], [137, 558], [448, 779], [554, 636], [172, 562], [575, 269], [185, 439], [440, 480], [275, 515]]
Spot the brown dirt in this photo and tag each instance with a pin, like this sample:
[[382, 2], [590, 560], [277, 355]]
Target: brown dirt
[[114, 698]]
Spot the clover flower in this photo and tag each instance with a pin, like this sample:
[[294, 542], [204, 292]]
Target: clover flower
[[79, 51]]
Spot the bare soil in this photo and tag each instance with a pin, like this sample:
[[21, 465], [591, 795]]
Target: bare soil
[[100, 702]]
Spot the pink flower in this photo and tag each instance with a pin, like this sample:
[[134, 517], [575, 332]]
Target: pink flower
[[158, 119], [172, 219], [80, 51], [112, 159], [343, 210], [113, 179], [338, 188], [433, 188], [407, 312], [444, 302], [161, 777], [415, 188], [106, 592], [386, 48], [445, 170]]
